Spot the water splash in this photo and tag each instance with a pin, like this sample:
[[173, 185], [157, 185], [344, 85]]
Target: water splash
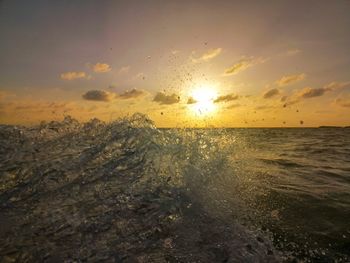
[[119, 191]]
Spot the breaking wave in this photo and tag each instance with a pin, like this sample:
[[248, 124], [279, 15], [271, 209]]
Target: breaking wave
[[116, 191]]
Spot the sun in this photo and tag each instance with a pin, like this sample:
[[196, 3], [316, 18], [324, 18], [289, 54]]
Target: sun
[[202, 101]]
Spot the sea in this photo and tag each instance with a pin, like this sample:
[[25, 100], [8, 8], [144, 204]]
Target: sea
[[127, 191]]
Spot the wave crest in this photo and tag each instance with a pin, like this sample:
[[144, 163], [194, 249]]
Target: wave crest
[[122, 190]]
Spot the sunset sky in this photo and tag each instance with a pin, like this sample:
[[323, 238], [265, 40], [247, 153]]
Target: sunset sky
[[182, 63]]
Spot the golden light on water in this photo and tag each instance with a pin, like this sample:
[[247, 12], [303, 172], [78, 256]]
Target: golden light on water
[[203, 101]]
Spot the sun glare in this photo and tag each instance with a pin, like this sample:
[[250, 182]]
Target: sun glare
[[203, 100]]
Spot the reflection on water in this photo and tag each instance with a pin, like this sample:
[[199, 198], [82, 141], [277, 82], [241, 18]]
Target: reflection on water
[[128, 192]]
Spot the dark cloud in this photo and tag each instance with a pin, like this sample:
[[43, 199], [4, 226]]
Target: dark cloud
[[191, 100], [99, 95], [233, 106], [112, 86], [264, 107], [343, 102], [102, 95], [307, 92], [164, 99], [271, 93], [284, 98], [134, 93], [290, 102], [226, 98]]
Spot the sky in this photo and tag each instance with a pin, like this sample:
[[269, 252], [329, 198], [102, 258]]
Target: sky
[[182, 63]]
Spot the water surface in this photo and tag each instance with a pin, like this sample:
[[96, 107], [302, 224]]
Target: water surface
[[126, 191]]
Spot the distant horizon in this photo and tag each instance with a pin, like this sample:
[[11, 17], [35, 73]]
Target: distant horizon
[[179, 126]]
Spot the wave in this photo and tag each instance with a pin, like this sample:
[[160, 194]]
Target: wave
[[124, 191]]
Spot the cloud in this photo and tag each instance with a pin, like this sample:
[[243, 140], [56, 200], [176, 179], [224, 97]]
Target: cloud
[[74, 75], [101, 68], [140, 75], [191, 100], [271, 93], [99, 95], [134, 93], [102, 95], [226, 98], [210, 54], [32, 111], [264, 107], [164, 99], [337, 85], [343, 102], [308, 92], [290, 102], [38, 106], [124, 70], [112, 86], [286, 80], [284, 98], [233, 106], [243, 64], [3, 94], [293, 52]]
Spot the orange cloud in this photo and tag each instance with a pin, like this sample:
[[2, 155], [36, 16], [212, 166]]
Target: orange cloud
[[26, 111], [293, 52], [243, 64], [210, 54], [287, 80], [191, 100], [101, 68], [124, 70], [72, 75], [337, 85], [3, 94]]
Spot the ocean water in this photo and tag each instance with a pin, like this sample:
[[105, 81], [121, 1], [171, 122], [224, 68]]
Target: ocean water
[[126, 191]]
